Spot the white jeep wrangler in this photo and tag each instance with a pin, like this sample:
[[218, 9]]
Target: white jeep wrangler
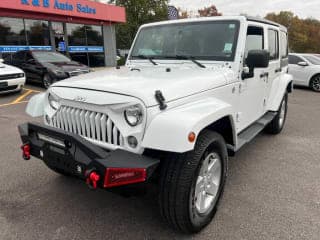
[[191, 94]]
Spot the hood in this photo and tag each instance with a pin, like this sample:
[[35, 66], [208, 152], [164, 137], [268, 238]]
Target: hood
[[7, 69], [65, 66], [142, 83]]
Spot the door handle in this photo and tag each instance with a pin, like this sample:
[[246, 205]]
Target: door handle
[[278, 70]]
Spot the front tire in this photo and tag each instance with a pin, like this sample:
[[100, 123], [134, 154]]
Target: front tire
[[47, 81], [277, 124], [191, 184], [315, 83]]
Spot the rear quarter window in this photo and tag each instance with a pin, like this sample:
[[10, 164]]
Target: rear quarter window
[[273, 45], [284, 44]]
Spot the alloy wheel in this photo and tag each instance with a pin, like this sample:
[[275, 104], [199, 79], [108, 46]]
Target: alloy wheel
[[208, 183], [316, 84]]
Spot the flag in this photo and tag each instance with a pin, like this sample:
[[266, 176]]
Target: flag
[[173, 13]]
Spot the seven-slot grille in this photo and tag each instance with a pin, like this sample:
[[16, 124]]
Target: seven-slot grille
[[89, 124]]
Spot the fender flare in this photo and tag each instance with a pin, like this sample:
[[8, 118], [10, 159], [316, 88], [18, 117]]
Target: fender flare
[[36, 104], [279, 87], [169, 130]]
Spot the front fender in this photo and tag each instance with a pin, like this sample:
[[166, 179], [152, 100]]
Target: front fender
[[169, 130], [35, 107], [278, 89]]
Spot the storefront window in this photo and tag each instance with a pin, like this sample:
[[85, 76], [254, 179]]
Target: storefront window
[[12, 31], [37, 33], [94, 35], [86, 44], [76, 35], [95, 38]]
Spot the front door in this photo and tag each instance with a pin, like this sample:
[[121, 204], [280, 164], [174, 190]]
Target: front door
[[252, 90], [299, 72]]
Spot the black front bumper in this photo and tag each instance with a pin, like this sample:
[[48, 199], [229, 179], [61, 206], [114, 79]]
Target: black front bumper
[[72, 154]]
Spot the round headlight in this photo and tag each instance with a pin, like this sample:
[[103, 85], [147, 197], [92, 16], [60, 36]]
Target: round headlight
[[133, 115], [53, 102]]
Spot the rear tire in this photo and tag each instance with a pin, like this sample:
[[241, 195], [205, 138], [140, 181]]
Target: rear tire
[[277, 124], [315, 83], [191, 184]]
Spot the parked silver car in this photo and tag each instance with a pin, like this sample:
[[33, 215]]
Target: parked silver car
[[305, 69]]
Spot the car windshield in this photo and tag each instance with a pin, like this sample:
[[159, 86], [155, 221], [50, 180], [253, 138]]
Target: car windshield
[[314, 60], [215, 40], [50, 57]]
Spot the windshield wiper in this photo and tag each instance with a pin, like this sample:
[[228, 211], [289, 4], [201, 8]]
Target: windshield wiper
[[191, 58], [146, 57], [185, 57]]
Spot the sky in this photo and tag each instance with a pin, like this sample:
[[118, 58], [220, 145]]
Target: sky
[[302, 8]]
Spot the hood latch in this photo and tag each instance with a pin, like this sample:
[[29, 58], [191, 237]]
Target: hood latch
[[161, 100]]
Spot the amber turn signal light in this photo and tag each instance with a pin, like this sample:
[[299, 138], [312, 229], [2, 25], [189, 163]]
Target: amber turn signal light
[[192, 137]]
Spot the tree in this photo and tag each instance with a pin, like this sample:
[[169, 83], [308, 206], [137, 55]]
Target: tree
[[209, 12], [183, 13], [138, 12], [304, 34]]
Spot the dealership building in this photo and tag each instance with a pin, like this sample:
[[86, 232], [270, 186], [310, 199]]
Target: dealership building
[[83, 30]]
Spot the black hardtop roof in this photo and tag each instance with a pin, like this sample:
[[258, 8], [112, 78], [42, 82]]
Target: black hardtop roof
[[262, 20]]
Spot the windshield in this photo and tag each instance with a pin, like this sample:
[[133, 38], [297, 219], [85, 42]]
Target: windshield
[[215, 40], [314, 60], [50, 57]]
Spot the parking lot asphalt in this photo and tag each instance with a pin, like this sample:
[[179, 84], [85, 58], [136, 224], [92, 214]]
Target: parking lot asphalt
[[272, 192]]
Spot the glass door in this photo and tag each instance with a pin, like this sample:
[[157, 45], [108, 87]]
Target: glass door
[[59, 37]]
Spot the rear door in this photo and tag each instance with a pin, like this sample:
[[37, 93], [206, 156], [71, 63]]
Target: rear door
[[274, 70], [18, 59], [34, 69]]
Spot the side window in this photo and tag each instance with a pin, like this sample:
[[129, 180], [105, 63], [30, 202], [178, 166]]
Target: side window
[[255, 39], [294, 59], [273, 44], [284, 45], [28, 56]]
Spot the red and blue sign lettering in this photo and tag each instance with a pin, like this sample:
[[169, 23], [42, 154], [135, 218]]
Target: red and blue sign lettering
[[59, 5]]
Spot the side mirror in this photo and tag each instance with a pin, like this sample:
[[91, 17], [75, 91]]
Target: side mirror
[[303, 64], [256, 59]]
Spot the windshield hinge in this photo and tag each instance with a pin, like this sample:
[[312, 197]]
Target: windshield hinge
[[161, 100]]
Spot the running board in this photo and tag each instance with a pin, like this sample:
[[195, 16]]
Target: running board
[[252, 131]]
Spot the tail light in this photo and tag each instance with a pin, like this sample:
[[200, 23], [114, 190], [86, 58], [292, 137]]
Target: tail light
[[123, 176], [26, 152]]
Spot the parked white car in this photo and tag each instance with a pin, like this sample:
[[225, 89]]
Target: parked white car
[[305, 69], [192, 93], [12, 79]]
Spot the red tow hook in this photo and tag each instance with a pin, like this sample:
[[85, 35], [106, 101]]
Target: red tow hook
[[92, 180], [26, 151]]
